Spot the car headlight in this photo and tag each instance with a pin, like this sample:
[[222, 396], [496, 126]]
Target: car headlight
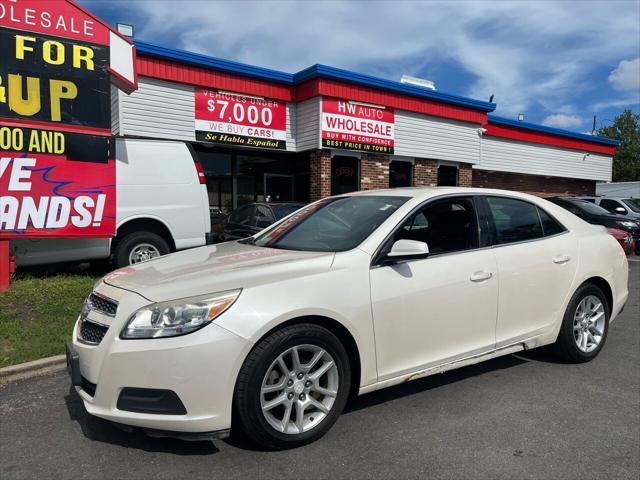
[[627, 224], [178, 317]]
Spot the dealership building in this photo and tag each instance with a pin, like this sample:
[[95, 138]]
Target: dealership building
[[262, 134]]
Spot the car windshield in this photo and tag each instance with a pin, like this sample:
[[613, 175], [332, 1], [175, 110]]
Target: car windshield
[[633, 204], [331, 225], [589, 207], [282, 211]]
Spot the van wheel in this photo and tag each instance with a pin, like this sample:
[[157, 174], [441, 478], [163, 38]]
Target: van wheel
[[138, 247]]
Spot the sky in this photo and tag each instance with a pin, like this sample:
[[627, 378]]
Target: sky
[[558, 62]]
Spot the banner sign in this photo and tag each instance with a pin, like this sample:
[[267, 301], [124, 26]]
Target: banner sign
[[57, 173], [246, 121], [354, 126], [54, 80], [49, 196]]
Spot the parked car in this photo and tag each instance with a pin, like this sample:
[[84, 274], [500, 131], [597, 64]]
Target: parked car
[[161, 206], [624, 239], [622, 206], [350, 294], [597, 215], [249, 219]]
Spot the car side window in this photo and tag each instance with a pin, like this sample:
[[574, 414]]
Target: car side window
[[550, 226], [242, 216], [263, 216], [445, 226], [515, 220], [610, 205]]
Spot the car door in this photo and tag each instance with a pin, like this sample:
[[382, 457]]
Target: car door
[[434, 310], [537, 260]]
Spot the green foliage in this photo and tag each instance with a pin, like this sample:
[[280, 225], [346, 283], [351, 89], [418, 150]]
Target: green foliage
[[37, 315], [626, 162]]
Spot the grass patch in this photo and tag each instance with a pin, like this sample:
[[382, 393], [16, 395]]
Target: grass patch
[[39, 310]]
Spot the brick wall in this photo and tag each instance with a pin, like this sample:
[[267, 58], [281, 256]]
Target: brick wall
[[533, 184], [425, 173], [319, 174], [374, 171], [465, 175]]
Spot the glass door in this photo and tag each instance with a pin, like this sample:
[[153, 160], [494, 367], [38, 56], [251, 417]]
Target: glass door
[[278, 188]]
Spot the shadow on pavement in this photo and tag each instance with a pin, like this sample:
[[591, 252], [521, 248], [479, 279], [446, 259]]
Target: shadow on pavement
[[99, 430], [428, 383]]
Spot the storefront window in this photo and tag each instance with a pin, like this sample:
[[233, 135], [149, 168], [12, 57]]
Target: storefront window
[[400, 174], [447, 176], [218, 172], [236, 177], [344, 175]]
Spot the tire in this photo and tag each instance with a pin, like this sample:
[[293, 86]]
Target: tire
[[566, 346], [127, 244], [263, 359]]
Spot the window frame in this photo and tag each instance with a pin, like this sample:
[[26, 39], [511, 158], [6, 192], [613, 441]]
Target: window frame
[[377, 259], [493, 233]]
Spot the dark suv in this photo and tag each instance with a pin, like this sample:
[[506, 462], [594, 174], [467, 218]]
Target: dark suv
[[597, 215], [249, 219]]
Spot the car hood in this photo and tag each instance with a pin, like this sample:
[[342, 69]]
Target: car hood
[[216, 268]]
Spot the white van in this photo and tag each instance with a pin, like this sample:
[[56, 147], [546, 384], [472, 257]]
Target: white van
[[161, 206]]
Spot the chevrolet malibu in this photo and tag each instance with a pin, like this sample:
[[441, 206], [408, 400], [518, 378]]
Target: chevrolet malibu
[[351, 294]]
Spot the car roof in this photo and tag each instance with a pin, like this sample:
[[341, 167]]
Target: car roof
[[428, 192]]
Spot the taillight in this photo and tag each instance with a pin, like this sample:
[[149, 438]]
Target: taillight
[[201, 175]]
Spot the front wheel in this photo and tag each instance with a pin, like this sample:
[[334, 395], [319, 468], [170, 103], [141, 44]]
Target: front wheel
[[292, 386], [585, 325]]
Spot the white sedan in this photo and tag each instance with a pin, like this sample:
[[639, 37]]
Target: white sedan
[[351, 294]]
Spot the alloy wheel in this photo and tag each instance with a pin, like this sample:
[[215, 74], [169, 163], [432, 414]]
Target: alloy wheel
[[299, 389], [589, 323]]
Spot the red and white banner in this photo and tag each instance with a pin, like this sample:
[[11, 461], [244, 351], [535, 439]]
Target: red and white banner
[[355, 126], [50, 196], [236, 119]]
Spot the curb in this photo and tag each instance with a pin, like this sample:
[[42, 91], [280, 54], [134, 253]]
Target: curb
[[33, 369]]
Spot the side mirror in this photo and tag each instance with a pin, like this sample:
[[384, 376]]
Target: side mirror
[[621, 210], [407, 250]]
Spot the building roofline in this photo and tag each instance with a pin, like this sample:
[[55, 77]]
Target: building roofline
[[315, 71], [507, 122]]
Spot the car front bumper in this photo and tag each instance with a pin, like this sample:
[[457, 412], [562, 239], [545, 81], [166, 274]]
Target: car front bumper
[[199, 368]]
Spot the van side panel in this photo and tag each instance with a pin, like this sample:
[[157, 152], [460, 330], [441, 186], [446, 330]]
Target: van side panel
[[158, 179]]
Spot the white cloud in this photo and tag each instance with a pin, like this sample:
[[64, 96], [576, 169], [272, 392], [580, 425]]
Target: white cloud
[[560, 120], [627, 76], [529, 54]]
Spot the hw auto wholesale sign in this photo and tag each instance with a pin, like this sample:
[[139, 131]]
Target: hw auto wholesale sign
[[355, 126], [57, 177], [235, 119]]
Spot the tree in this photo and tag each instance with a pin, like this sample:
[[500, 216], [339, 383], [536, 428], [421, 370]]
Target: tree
[[626, 162]]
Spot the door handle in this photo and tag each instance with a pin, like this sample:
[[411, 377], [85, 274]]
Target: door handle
[[561, 259], [480, 276]]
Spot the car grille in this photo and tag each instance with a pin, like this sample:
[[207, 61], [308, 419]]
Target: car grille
[[92, 332], [104, 305]]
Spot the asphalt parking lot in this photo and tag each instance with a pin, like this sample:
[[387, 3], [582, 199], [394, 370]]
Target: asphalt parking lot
[[520, 416]]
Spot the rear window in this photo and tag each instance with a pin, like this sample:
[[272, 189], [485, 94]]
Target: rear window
[[515, 220], [550, 226], [282, 211]]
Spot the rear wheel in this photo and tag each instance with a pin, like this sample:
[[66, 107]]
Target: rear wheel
[[292, 387], [138, 247], [585, 325]]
